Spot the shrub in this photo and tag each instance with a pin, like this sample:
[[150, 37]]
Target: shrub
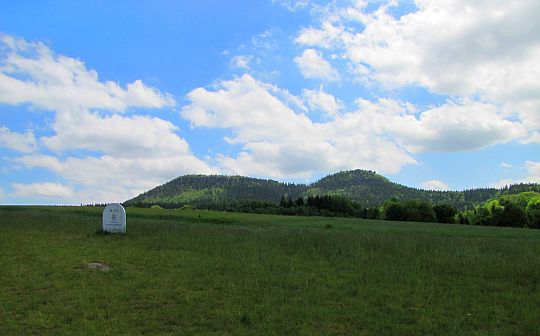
[[445, 213], [511, 215]]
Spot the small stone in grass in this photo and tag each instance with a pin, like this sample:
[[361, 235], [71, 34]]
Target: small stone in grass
[[98, 266]]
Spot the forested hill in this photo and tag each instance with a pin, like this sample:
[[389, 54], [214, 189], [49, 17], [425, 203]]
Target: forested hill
[[370, 189], [364, 187], [212, 191]]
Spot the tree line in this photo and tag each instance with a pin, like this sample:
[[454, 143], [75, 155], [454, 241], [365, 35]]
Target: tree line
[[514, 210], [366, 188]]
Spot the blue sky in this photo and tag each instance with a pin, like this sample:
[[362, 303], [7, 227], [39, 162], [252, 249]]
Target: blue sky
[[102, 100]]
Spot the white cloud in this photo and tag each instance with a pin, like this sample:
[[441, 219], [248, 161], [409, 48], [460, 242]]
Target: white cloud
[[327, 36], [533, 168], [241, 61], [106, 169], [487, 49], [245, 105], [129, 154], [32, 73], [22, 142], [503, 183], [453, 127], [313, 65], [115, 179], [533, 175], [116, 135], [434, 185], [320, 100], [533, 137], [279, 142], [48, 190]]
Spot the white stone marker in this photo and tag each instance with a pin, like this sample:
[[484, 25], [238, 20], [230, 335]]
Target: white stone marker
[[114, 218]]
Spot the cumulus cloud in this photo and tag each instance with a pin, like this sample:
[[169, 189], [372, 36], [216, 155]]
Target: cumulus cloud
[[248, 107], [129, 153], [32, 73], [313, 65], [116, 135], [487, 49], [323, 101], [21, 142], [453, 127], [115, 179], [434, 185], [46, 190], [137, 153], [280, 141], [328, 36]]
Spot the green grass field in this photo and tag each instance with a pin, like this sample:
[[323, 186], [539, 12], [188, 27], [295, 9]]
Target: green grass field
[[211, 273]]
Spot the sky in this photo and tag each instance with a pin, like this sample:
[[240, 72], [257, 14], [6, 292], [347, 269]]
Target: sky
[[103, 100]]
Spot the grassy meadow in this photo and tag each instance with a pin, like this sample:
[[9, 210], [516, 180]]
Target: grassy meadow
[[180, 272]]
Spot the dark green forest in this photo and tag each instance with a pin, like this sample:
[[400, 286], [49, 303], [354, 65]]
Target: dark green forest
[[365, 188], [216, 191]]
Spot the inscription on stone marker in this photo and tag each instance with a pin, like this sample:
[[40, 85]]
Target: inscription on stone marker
[[114, 218]]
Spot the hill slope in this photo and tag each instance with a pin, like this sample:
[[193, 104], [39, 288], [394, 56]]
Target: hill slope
[[370, 189], [364, 187], [201, 190]]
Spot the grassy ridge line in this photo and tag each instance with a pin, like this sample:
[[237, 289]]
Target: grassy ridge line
[[178, 273]]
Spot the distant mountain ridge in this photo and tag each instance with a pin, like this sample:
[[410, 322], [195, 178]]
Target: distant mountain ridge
[[365, 187]]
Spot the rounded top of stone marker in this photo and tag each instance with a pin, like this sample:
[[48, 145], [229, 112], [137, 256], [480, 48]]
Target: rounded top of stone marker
[[114, 218]]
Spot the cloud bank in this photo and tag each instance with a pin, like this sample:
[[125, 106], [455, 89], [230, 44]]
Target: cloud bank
[[133, 153], [487, 51], [480, 57]]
